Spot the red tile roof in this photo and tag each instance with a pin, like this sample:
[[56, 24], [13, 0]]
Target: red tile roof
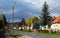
[[57, 20]]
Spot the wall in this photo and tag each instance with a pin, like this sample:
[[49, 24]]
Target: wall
[[55, 27]]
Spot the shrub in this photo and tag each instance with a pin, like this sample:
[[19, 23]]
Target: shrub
[[36, 26], [45, 31], [29, 31]]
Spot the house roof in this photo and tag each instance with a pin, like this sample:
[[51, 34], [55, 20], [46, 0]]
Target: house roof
[[57, 20]]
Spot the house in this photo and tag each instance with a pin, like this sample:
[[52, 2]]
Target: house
[[36, 26], [56, 24], [14, 28]]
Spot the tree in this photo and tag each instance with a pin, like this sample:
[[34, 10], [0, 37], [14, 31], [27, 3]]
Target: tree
[[19, 25], [28, 22], [36, 25], [45, 15], [22, 23], [1, 24], [34, 19], [1, 29], [4, 20]]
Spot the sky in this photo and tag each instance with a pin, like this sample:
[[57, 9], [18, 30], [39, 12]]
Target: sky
[[27, 8]]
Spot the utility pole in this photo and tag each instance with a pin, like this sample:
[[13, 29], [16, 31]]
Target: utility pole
[[13, 18], [13, 14]]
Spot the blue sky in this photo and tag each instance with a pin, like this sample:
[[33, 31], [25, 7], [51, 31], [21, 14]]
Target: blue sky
[[28, 8]]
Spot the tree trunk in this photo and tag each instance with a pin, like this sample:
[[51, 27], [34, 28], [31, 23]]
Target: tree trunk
[[29, 28], [49, 30]]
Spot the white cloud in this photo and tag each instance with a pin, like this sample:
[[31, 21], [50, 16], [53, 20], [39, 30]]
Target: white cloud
[[37, 4], [15, 20], [55, 14], [7, 11], [32, 5]]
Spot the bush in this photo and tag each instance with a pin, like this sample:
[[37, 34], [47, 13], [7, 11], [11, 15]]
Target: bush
[[36, 26], [45, 31], [29, 31]]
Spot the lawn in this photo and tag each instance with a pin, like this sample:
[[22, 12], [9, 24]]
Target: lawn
[[54, 34], [51, 34]]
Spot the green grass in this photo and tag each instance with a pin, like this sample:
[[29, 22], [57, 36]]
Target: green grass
[[25, 30], [41, 33], [51, 34], [54, 34]]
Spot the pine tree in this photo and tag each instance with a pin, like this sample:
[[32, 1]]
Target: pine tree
[[1, 25], [45, 15], [4, 20], [22, 23]]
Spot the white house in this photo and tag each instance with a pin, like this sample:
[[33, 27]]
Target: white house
[[14, 28], [55, 27], [44, 27], [56, 24]]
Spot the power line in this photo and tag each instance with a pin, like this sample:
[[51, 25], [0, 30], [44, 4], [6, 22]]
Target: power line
[[14, 3], [54, 9]]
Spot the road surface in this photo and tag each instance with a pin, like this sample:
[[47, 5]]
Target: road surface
[[34, 35]]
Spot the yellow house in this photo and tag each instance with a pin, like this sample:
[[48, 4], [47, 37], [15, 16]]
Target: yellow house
[[56, 24]]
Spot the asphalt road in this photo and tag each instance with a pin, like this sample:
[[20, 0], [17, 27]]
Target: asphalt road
[[7, 35], [34, 35]]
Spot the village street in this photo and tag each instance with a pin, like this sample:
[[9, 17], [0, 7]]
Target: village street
[[34, 35]]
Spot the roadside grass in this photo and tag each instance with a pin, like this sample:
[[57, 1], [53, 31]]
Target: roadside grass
[[54, 34], [25, 30], [51, 34]]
